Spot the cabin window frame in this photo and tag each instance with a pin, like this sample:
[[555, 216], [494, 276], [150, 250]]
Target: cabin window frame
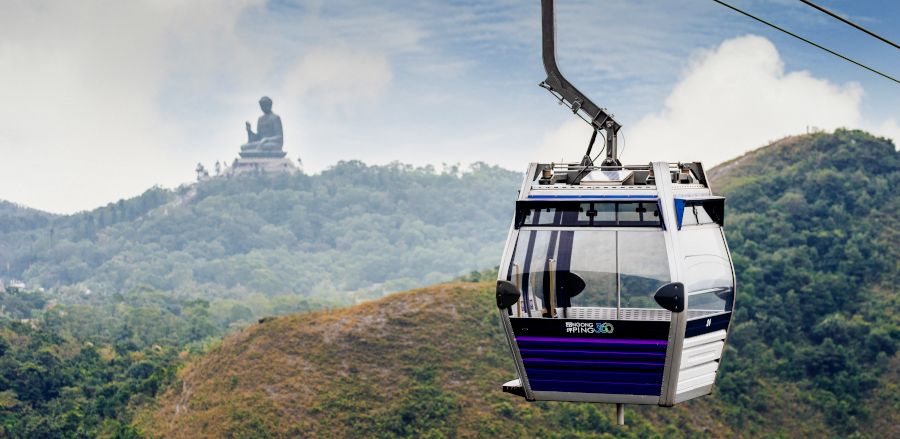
[[571, 213]]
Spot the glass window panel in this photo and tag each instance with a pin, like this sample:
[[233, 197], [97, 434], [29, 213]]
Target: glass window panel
[[518, 260], [530, 276], [628, 212], [702, 216], [546, 216], [690, 216], [651, 213], [593, 259], [606, 212], [583, 210], [528, 219], [717, 300], [536, 268], [707, 267], [643, 267], [642, 264]]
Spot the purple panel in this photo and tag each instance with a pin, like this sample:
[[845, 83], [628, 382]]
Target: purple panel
[[596, 387], [610, 355], [593, 364], [547, 362], [646, 377], [622, 341]]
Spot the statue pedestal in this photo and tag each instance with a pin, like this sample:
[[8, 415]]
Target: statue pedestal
[[256, 154], [262, 165]]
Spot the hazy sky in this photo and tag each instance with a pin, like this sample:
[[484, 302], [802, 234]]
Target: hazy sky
[[102, 99]]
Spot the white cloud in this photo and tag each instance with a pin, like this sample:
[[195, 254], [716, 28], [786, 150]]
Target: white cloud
[[888, 128], [730, 100], [567, 143], [736, 98], [100, 100], [335, 76]]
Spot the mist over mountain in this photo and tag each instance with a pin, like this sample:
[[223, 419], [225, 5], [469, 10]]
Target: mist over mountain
[[811, 221], [351, 229]]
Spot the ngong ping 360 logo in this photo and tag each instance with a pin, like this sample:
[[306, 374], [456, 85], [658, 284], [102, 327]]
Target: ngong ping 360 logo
[[589, 328]]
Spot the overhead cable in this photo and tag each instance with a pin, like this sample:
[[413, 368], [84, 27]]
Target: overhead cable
[[807, 41], [833, 15]]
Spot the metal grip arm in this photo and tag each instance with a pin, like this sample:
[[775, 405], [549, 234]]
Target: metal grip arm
[[557, 84]]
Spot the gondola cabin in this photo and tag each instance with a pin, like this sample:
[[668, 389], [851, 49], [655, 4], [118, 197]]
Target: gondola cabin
[[616, 286]]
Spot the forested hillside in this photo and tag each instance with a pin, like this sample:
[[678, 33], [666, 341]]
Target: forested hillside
[[79, 370], [15, 217], [351, 229], [813, 227], [811, 222]]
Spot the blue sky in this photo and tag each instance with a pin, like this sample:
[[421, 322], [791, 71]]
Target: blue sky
[[103, 100]]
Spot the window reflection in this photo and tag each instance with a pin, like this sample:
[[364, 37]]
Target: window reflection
[[632, 264], [593, 259], [643, 266]]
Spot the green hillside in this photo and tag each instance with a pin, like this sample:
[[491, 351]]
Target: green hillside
[[269, 242], [15, 217], [427, 363], [811, 221]]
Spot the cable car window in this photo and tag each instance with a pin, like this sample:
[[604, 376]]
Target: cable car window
[[585, 212], [690, 218], [637, 214], [541, 252], [711, 301], [705, 211], [528, 266], [629, 212], [606, 213], [592, 258], [598, 273], [652, 212], [525, 217], [643, 267], [592, 214], [708, 276], [701, 215], [545, 216]]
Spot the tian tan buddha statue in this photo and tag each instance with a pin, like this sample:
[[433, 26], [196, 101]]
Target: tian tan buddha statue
[[268, 138]]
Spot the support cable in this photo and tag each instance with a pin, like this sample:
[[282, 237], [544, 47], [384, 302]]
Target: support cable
[[806, 41], [848, 22]]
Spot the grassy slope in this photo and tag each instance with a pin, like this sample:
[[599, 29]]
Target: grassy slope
[[424, 363], [430, 362]]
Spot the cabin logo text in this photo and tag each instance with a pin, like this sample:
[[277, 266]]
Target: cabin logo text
[[589, 328]]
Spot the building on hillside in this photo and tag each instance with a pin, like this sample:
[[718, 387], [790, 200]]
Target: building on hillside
[[14, 286]]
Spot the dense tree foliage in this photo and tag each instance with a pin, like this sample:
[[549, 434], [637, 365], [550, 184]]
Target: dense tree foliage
[[812, 224], [78, 370], [352, 228]]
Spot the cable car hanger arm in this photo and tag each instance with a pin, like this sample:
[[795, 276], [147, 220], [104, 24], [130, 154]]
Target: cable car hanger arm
[[574, 99]]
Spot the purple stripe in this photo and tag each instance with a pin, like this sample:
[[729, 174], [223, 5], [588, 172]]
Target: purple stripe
[[596, 387], [600, 383], [591, 340], [593, 353], [634, 376], [610, 363]]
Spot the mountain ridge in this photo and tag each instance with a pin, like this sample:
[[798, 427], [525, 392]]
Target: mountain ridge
[[256, 238]]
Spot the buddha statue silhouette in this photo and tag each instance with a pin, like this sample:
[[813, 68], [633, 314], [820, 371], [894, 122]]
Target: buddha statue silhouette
[[268, 138]]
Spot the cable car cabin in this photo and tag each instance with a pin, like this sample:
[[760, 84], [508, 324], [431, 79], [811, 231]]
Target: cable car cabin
[[616, 286]]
